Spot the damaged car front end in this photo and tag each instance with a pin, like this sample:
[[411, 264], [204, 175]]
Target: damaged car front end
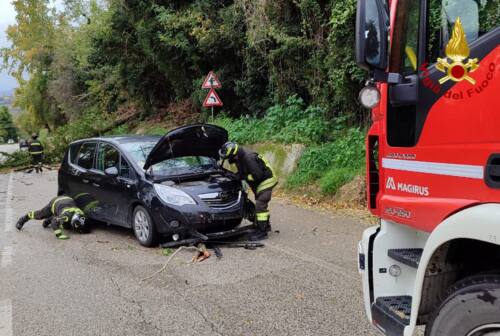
[[170, 186]]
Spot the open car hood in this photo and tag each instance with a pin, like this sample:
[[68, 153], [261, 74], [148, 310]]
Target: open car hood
[[191, 140]]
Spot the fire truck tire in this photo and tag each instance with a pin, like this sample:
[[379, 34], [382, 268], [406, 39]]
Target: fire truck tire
[[471, 309]]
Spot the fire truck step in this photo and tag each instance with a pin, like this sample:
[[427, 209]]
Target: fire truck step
[[392, 313], [410, 257]]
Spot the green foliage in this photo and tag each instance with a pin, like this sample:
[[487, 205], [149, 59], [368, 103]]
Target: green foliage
[[90, 124], [331, 163], [108, 55], [336, 178], [288, 123], [7, 128], [15, 159]]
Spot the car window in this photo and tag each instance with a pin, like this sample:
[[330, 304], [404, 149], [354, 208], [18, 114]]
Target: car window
[[73, 152], [85, 157], [108, 157], [139, 151], [125, 170]]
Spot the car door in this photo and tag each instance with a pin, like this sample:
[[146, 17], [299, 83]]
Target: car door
[[83, 190], [69, 174], [126, 190], [104, 186], [116, 193]]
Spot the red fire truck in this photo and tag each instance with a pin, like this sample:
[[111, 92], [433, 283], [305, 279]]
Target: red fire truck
[[433, 165]]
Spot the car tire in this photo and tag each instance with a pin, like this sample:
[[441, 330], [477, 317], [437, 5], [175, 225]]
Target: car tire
[[143, 226], [471, 309]]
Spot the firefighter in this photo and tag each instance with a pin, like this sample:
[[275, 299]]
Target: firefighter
[[61, 213], [260, 176], [35, 149]]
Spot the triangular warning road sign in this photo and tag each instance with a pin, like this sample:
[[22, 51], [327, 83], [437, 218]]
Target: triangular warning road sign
[[212, 99], [211, 82]]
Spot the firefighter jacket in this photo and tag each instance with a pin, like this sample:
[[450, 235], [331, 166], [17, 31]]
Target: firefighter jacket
[[255, 170], [64, 206], [35, 147]]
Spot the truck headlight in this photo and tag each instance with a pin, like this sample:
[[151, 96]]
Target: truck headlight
[[369, 97], [173, 196]]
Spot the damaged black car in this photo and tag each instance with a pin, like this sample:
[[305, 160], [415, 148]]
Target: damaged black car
[[162, 187]]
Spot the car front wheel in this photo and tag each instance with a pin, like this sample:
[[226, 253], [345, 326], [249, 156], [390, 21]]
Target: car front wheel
[[143, 227]]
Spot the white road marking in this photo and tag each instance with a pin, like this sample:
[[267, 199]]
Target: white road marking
[[438, 168], [6, 318], [6, 255], [8, 220], [8, 210]]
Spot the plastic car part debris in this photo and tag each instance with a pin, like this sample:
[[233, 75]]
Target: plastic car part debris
[[217, 252], [201, 253], [197, 237]]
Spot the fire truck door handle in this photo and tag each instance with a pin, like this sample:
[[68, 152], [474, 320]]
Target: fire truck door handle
[[492, 174]]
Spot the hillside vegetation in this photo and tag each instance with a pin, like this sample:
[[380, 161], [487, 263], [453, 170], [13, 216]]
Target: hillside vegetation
[[287, 68]]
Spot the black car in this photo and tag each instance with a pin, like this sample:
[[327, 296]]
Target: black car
[[159, 186], [23, 144]]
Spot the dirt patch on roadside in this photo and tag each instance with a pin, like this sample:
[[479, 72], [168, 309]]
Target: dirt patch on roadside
[[328, 204]]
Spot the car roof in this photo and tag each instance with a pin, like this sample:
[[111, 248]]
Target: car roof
[[122, 139]]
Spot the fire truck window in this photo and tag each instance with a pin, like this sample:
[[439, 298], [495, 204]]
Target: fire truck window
[[478, 17], [410, 33]]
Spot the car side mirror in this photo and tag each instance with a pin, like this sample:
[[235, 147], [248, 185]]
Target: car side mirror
[[111, 172], [372, 34]]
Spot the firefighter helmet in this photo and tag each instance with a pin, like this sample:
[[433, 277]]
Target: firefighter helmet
[[228, 150], [78, 222]]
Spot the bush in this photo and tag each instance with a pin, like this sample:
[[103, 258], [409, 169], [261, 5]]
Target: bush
[[336, 178], [88, 125], [289, 123], [342, 159], [16, 159]]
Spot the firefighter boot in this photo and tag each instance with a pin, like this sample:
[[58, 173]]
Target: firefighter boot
[[60, 234], [261, 229], [20, 223]]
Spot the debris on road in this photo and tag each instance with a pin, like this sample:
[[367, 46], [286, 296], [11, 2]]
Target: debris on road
[[164, 266], [201, 253]]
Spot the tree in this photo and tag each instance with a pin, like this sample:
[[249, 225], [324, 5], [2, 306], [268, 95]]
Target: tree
[[7, 128]]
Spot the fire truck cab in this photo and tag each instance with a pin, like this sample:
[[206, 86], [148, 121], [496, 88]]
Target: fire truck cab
[[433, 165]]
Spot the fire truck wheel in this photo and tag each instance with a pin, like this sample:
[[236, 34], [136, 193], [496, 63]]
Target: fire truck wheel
[[471, 309]]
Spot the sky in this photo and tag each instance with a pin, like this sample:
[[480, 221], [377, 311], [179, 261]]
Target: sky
[[7, 17]]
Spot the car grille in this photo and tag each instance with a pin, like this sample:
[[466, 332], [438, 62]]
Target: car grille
[[222, 200]]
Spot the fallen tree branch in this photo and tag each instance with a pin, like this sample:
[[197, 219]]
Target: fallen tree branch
[[164, 266]]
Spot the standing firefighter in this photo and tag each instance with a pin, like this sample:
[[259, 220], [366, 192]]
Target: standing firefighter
[[259, 175], [61, 213], [35, 149]]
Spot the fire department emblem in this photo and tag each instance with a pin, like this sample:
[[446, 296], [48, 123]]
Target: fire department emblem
[[457, 51]]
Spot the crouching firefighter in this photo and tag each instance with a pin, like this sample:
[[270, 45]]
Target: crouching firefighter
[[260, 176], [61, 213]]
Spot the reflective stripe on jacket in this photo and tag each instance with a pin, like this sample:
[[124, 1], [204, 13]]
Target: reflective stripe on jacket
[[35, 147]]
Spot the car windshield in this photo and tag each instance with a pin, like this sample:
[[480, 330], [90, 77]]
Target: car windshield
[[139, 151]]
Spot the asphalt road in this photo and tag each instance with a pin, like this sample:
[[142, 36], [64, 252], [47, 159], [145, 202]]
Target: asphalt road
[[304, 282]]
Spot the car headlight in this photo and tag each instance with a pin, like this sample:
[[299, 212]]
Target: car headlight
[[172, 195]]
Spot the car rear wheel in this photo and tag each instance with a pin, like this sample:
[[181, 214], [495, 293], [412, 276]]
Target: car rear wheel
[[143, 226], [471, 309]]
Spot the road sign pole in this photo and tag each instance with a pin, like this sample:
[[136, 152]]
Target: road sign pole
[[212, 114]]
